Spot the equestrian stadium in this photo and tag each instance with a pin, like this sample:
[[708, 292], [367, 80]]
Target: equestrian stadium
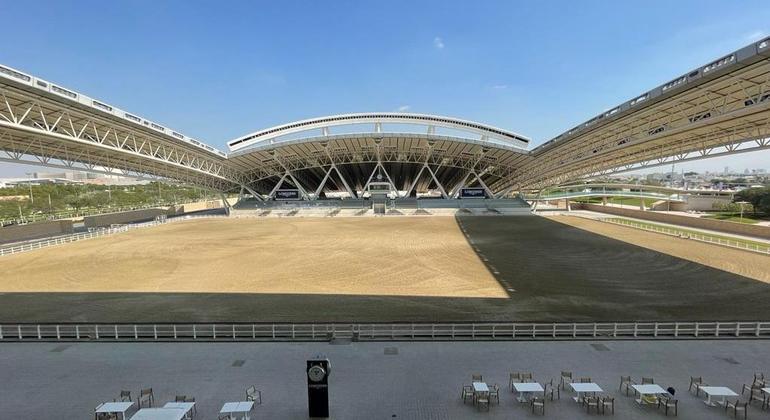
[[387, 216]]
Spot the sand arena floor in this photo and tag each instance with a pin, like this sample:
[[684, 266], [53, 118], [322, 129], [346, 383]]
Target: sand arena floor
[[389, 269], [748, 264], [366, 256]]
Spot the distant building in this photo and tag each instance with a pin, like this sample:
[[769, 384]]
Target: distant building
[[88, 178]]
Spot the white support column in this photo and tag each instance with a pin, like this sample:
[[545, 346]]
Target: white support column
[[324, 131], [298, 185], [504, 192], [378, 127], [483, 185], [537, 200], [344, 182], [369, 180], [277, 186], [225, 203], [440, 187], [252, 192], [414, 181], [387, 176], [459, 186], [323, 182], [240, 194]]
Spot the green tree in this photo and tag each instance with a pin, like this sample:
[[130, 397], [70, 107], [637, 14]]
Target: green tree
[[764, 204], [755, 196]]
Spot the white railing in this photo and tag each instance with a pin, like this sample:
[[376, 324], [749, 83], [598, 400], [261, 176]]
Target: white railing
[[30, 246], [486, 331], [703, 237]]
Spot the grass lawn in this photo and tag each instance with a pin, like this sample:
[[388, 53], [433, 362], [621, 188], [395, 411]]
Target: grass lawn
[[761, 245], [734, 217], [626, 201]]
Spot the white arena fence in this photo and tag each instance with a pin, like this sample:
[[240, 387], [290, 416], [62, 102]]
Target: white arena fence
[[60, 240], [230, 332], [690, 235]]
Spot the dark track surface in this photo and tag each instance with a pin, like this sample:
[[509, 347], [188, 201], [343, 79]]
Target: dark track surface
[[558, 273]]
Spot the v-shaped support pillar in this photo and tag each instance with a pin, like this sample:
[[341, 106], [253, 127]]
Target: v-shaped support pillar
[[387, 176], [296, 183], [326, 179], [417, 179]]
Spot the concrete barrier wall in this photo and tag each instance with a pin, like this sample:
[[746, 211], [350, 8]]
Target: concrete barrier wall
[[105, 220], [705, 203], [669, 206], [201, 205], [15, 233], [700, 223], [193, 207]]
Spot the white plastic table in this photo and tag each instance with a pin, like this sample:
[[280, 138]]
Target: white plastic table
[[525, 389], [480, 387], [187, 406], [159, 414], [584, 387], [241, 407], [717, 391], [114, 408], [647, 389]]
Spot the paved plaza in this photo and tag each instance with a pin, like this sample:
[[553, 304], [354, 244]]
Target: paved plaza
[[368, 380]]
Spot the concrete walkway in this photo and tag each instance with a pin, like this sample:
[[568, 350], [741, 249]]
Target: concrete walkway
[[368, 380]]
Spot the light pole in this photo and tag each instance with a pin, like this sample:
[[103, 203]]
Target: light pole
[[741, 203]]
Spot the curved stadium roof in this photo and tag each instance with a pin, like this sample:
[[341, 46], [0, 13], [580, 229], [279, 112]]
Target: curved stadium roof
[[402, 143]]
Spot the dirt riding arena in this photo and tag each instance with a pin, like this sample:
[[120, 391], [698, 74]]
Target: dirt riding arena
[[358, 256], [525, 268]]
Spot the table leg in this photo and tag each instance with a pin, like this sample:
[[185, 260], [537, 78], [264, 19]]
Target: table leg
[[523, 397], [641, 399], [708, 401]]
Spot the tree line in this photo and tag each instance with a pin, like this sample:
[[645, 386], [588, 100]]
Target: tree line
[[26, 200]]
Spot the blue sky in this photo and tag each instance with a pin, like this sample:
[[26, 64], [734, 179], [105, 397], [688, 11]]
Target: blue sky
[[218, 70]]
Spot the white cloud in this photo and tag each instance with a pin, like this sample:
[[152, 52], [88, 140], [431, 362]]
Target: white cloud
[[499, 87], [755, 36], [403, 108], [438, 42]]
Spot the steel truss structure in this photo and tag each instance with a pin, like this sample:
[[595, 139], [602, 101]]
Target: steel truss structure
[[720, 108], [408, 162], [43, 129]]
